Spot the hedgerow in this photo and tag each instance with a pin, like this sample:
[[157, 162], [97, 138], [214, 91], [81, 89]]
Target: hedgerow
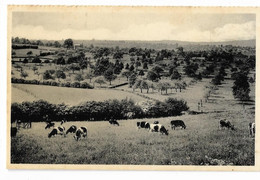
[[94, 111]]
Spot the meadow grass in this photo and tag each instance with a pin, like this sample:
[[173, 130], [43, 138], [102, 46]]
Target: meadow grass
[[108, 144], [70, 96]]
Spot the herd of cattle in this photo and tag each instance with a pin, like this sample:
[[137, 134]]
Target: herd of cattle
[[152, 127]]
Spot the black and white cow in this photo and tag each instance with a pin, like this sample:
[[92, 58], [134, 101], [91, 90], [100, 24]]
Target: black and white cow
[[113, 122], [143, 124], [251, 128], [60, 130], [63, 121], [49, 125], [156, 122], [14, 131], [226, 124], [72, 129], [158, 128], [178, 123], [80, 132]]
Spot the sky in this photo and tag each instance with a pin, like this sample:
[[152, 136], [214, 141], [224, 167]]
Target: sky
[[133, 26]]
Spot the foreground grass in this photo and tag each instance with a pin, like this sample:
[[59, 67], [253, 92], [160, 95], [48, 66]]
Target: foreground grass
[[106, 144]]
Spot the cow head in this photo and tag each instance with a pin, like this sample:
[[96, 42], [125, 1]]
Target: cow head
[[166, 132], [232, 127], [49, 135]]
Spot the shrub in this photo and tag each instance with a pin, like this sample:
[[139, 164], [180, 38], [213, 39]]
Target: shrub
[[75, 85], [86, 85]]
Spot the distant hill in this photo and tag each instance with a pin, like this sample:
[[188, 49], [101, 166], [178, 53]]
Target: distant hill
[[164, 44]]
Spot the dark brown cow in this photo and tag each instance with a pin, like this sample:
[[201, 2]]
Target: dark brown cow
[[177, 123], [226, 124]]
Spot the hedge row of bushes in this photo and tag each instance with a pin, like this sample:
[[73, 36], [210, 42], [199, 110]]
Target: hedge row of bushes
[[83, 85], [24, 46], [93, 111]]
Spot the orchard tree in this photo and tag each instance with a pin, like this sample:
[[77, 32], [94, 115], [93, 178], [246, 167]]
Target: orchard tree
[[78, 77], [109, 75], [141, 72], [68, 43], [60, 74], [100, 80], [47, 75], [241, 87], [145, 65], [34, 68], [23, 74], [152, 76], [90, 75], [126, 74]]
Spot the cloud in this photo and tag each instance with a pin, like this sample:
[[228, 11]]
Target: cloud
[[151, 31]]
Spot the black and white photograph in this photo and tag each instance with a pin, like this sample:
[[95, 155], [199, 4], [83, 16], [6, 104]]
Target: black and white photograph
[[152, 88]]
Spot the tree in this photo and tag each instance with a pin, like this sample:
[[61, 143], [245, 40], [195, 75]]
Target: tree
[[141, 72], [34, 68], [164, 86], [109, 75], [36, 60], [47, 75], [145, 65], [74, 67], [176, 75], [23, 74], [126, 74], [144, 85], [57, 44], [127, 66], [60, 61], [241, 87], [132, 68], [68, 43], [90, 75], [83, 64], [152, 76], [100, 80], [157, 69], [78, 77], [25, 60], [60, 74], [132, 79]]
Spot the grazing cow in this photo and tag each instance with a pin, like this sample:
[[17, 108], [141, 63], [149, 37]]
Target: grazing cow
[[226, 124], [13, 131], [49, 125], [138, 124], [156, 122], [177, 123], [72, 129], [57, 131], [62, 121], [251, 128], [158, 128], [143, 124], [114, 122], [82, 131]]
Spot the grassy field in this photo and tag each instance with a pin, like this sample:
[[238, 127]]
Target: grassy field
[[202, 143], [70, 96]]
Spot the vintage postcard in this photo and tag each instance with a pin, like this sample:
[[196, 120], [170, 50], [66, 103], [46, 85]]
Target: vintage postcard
[[133, 88]]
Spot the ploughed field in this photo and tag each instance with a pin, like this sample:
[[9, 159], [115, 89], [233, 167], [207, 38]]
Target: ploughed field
[[201, 143]]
